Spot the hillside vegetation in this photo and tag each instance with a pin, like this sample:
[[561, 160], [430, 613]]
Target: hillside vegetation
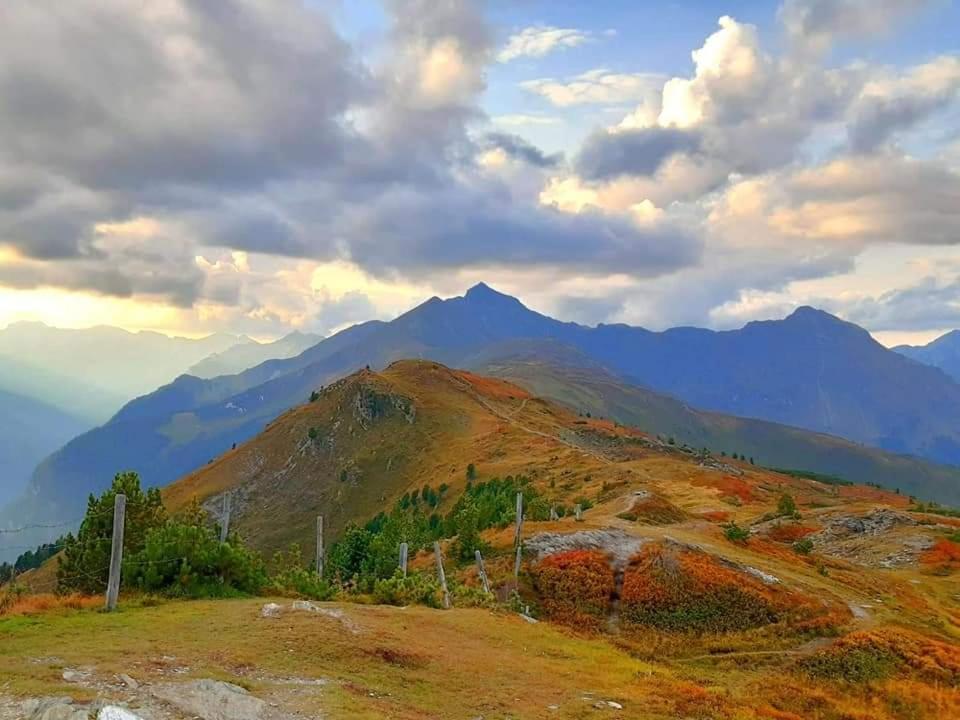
[[693, 585]]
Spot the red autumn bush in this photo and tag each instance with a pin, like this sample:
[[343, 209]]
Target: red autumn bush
[[575, 587], [945, 555], [789, 532], [717, 516]]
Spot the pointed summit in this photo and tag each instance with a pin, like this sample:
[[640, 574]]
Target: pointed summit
[[483, 293]]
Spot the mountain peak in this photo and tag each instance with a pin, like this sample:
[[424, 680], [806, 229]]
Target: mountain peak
[[483, 293], [810, 312]]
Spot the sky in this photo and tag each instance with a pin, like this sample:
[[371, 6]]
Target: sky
[[263, 166]]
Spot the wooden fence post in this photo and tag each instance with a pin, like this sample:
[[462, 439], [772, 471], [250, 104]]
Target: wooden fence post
[[482, 571], [553, 513], [441, 575], [578, 511], [404, 550], [320, 545], [225, 518], [516, 563], [516, 536], [116, 551]]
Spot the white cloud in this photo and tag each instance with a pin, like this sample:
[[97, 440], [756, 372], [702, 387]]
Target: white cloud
[[523, 119], [540, 40], [597, 87]]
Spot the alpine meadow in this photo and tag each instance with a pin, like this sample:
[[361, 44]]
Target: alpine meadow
[[479, 360]]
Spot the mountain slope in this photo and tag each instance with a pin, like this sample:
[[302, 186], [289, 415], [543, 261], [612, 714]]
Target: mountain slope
[[586, 387], [242, 356], [29, 431], [371, 436], [943, 353]]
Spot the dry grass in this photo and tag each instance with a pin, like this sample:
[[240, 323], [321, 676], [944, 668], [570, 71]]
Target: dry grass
[[12, 604]]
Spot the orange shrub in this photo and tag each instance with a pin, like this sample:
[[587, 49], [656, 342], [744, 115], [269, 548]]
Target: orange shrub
[[945, 554], [575, 587], [654, 510], [717, 516], [728, 485], [682, 589], [789, 532]]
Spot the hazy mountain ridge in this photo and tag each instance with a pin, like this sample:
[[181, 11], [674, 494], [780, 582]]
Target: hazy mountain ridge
[[243, 356], [943, 353]]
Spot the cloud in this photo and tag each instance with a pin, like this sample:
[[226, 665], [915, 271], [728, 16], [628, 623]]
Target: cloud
[[820, 23], [339, 312], [897, 102], [590, 310], [521, 119], [540, 40], [595, 87], [516, 147], [640, 151], [876, 199]]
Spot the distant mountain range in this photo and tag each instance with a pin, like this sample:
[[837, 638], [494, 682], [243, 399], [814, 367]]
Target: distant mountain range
[[244, 355], [93, 371], [944, 353], [810, 370]]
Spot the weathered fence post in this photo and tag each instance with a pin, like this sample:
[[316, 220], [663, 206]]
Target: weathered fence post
[[441, 575], [482, 571], [404, 550], [320, 545], [578, 511], [225, 517], [553, 513], [516, 536], [116, 551]]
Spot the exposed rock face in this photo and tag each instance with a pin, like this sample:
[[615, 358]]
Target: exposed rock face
[[369, 404], [873, 523], [881, 538]]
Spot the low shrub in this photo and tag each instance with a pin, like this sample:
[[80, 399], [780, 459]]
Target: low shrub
[[575, 587], [803, 547], [735, 534], [679, 589], [868, 655], [292, 579], [414, 589], [653, 510]]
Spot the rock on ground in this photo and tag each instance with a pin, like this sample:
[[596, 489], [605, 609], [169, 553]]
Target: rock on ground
[[212, 700]]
